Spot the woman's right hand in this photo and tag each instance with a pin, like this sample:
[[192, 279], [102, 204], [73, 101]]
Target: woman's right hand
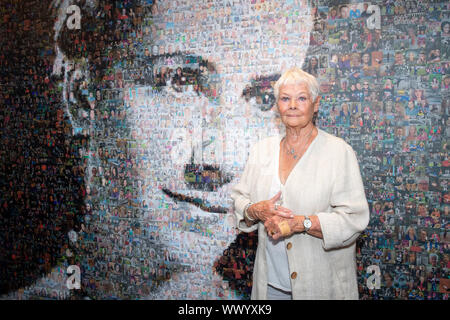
[[265, 209]]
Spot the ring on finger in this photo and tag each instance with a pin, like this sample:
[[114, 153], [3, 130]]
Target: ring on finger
[[276, 206]]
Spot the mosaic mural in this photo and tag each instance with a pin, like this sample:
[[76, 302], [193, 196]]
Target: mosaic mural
[[126, 123]]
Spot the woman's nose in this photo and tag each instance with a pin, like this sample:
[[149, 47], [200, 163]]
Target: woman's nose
[[293, 104]]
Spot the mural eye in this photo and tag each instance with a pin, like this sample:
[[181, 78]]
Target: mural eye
[[265, 100], [261, 90]]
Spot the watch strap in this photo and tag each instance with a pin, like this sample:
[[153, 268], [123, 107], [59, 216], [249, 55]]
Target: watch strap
[[246, 213]]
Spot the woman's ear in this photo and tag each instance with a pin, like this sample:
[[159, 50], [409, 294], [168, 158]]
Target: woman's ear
[[76, 98], [316, 104]]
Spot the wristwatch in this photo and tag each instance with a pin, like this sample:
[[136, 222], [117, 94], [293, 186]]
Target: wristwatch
[[307, 224], [245, 211]]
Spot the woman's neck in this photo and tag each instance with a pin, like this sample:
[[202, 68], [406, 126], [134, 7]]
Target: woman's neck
[[296, 135]]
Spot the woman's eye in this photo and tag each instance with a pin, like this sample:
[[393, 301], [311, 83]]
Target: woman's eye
[[285, 99], [302, 99]]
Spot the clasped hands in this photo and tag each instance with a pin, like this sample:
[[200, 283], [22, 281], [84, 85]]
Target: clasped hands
[[279, 221]]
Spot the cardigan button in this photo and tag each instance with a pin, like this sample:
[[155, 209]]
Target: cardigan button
[[289, 245], [293, 275]]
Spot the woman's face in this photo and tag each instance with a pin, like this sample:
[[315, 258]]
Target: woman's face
[[418, 94], [366, 58], [399, 58], [422, 210], [446, 28], [296, 105], [388, 279], [423, 235]]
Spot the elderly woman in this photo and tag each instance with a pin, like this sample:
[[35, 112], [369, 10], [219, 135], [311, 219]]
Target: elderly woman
[[304, 194]]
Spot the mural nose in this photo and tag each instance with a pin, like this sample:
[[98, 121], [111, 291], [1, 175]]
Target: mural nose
[[205, 176]]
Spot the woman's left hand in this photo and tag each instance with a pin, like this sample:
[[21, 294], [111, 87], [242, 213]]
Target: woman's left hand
[[278, 227]]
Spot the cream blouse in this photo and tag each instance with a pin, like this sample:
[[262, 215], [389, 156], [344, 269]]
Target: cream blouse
[[326, 182]]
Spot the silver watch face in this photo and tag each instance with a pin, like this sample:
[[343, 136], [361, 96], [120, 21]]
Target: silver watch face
[[307, 223]]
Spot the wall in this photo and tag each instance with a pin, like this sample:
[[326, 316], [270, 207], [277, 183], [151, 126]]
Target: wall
[[113, 162]]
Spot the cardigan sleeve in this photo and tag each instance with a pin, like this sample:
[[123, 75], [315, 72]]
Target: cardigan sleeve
[[240, 193], [350, 210]]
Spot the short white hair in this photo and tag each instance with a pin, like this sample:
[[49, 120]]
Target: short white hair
[[295, 75]]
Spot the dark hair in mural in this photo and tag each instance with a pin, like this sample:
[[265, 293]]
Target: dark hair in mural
[[90, 55], [41, 183]]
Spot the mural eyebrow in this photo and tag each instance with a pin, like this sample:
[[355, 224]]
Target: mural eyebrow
[[155, 58]]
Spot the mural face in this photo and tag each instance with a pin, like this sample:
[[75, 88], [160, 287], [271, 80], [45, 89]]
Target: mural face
[[162, 101], [203, 81]]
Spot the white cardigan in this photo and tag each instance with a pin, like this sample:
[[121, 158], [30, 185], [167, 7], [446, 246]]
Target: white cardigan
[[326, 182]]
